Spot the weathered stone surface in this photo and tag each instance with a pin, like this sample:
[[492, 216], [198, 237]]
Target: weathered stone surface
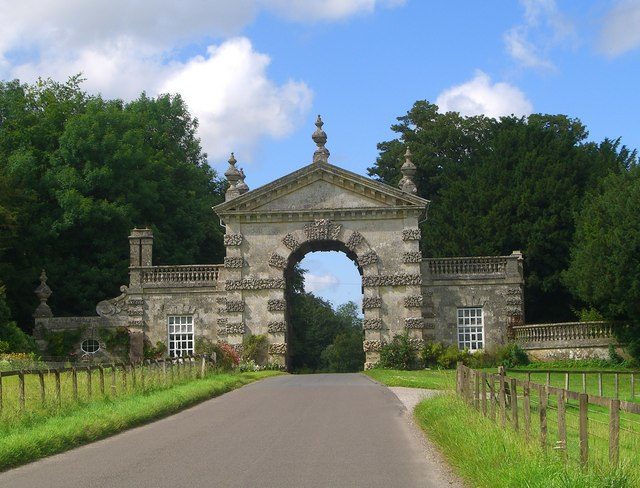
[[369, 257], [372, 324], [413, 301], [412, 257], [322, 229], [231, 329], [411, 235], [413, 323], [277, 261], [291, 242], [276, 327], [221, 321], [234, 262], [278, 348], [372, 346], [232, 239], [392, 280], [234, 306], [276, 305], [355, 239], [255, 284], [371, 302]]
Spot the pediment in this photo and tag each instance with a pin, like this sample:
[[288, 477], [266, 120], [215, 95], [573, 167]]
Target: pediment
[[320, 187]]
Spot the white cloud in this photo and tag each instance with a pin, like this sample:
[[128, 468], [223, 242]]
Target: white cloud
[[543, 29], [480, 96], [621, 28], [124, 47], [316, 283]]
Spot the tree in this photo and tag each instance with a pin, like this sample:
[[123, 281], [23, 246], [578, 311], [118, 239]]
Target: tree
[[503, 185], [83, 172], [605, 256]]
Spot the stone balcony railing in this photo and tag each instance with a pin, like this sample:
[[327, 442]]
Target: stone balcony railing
[[188, 275], [447, 268], [564, 334]]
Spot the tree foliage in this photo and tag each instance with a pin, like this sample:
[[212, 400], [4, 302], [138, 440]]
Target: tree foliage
[[77, 172], [502, 185]]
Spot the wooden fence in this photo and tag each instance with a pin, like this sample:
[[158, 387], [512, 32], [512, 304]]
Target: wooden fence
[[578, 419], [30, 390]]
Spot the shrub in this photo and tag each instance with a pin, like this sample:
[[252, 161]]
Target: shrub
[[226, 356], [452, 355], [116, 340], [62, 343], [511, 355], [398, 354], [255, 348], [430, 354], [154, 352], [14, 339]]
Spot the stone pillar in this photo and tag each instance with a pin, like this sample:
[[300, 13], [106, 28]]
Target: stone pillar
[[140, 252]]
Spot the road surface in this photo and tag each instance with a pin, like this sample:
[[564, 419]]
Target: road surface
[[298, 431]]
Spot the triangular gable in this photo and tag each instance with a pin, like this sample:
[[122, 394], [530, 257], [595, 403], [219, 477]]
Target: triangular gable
[[321, 186]]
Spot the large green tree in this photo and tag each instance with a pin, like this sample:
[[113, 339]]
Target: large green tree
[[81, 171], [499, 185], [605, 258]]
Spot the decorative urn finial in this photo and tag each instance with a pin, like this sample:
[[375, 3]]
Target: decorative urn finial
[[43, 292], [233, 176], [408, 170], [321, 155], [242, 187]]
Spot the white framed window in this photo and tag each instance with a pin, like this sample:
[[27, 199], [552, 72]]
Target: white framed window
[[90, 346], [470, 328], [180, 335]]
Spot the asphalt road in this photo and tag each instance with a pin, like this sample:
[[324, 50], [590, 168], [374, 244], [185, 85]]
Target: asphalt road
[[288, 431]]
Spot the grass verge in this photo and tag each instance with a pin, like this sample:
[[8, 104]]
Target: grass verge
[[487, 456], [426, 378], [42, 437]]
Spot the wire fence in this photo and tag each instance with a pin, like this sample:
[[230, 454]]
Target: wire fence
[[578, 426], [31, 391]]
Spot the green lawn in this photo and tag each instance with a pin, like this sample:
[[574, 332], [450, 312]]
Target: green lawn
[[38, 434], [486, 455], [426, 378]]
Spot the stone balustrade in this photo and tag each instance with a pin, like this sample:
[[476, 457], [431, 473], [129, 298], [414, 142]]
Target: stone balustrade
[[564, 334], [452, 267], [189, 275]]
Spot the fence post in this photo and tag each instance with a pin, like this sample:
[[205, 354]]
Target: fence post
[[584, 382], [21, 389], [492, 397], [74, 377], [503, 406], [548, 378], [0, 392], [89, 388], [616, 385], [526, 407], [567, 382], [164, 371], [614, 432], [132, 367], [56, 373], [562, 425], [101, 375], [458, 379], [124, 377], [113, 379], [203, 365], [42, 392], [484, 393], [599, 384], [543, 417], [514, 405], [633, 386], [584, 428], [476, 390], [142, 374]]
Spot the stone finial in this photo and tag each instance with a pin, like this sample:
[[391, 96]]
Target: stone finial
[[43, 292], [408, 170], [233, 176], [242, 186], [321, 155]]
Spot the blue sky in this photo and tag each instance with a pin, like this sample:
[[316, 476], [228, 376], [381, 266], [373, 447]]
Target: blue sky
[[256, 72]]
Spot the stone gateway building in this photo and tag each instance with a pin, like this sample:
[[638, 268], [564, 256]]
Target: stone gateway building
[[468, 301]]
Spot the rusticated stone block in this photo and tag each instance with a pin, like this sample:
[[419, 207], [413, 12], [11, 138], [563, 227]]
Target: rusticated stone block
[[369, 257], [372, 346], [413, 301], [411, 235], [414, 323], [234, 306], [232, 329], [278, 348], [371, 302], [290, 241], [222, 321], [277, 261], [416, 343], [322, 229], [255, 284], [412, 257], [276, 305], [372, 324], [232, 239], [392, 280], [233, 262], [355, 239], [276, 327]]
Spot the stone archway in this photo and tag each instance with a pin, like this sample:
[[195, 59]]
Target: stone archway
[[322, 205]]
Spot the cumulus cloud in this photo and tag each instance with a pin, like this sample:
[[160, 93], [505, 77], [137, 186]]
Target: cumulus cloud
[[543, 28], [124, 47], [480, 96], [621, 28], [316, 283]]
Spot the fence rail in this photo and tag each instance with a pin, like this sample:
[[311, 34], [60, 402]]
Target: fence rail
[[205, 274], [451, 267], [576, 333], [27, 390], [561, 413]]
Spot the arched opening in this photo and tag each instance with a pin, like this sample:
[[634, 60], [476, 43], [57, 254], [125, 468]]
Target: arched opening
[[324, 309]]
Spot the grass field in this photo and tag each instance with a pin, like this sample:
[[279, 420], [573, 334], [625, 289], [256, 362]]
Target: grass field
[[431, 379], [45, 432], [486, 455]]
